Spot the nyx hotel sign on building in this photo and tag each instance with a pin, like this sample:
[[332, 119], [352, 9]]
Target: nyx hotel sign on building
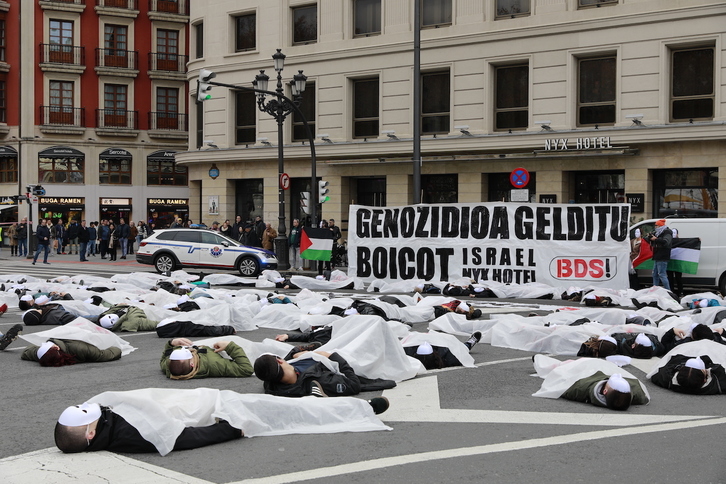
[[564, 144]]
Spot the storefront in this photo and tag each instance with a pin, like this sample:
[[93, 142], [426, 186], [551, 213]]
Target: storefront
[[61, 164], [115, 209], [8, 164], [163, 211], [61, 208], [114, 167]]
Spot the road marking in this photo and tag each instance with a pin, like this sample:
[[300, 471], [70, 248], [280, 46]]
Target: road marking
[[400, 460], [417, 400]]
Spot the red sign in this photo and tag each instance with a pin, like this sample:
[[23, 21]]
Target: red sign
[[285, 181], [519, 178]]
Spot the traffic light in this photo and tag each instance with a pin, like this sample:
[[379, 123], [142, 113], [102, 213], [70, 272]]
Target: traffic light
[[323, 191], [38, 191], [203, 88], [305, 202]]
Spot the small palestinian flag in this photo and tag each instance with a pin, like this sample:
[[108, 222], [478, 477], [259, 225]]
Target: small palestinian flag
[[316, 244], [685, 254]]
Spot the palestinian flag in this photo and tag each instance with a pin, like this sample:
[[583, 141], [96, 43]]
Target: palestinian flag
[[684, 256], [316, 244]]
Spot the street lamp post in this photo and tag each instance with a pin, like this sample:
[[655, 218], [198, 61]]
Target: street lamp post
[[280, 107]]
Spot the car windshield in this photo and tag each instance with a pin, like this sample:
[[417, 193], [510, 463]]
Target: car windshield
[[228, 240]]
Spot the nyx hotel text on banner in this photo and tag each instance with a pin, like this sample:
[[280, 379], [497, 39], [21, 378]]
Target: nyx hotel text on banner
[[560, 245]]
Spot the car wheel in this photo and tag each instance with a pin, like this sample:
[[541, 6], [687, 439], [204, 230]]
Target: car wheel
[[248, 267], [164, 263]]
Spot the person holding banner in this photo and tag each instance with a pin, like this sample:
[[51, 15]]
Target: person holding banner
[[661, 240]]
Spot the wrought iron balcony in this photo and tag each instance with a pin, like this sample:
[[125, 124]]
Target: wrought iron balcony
[[117, 118], [63, 54], [168, 62], [180, 7], [168, 121], [62, 116], [119, 58]]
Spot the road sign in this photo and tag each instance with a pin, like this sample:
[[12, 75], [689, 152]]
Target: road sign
[[285, 181], [519, 178]]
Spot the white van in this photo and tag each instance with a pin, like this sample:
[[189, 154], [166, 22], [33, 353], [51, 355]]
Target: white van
[[712, 262]]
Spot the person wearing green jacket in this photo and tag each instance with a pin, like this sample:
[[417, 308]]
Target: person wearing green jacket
[[61, 352], [122, 317], [183, 361]]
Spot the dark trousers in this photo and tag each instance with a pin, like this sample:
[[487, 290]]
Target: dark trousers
[[103, 246]]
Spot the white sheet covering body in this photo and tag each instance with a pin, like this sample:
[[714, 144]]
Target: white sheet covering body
[[82, 330], [716, 351], [562, 376], [160, 415], [457, 348]]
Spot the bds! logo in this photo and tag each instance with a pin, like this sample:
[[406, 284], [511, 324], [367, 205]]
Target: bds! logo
[[583, 268], [215, 251]]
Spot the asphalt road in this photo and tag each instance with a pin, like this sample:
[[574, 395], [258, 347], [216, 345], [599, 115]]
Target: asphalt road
[[459, 424]]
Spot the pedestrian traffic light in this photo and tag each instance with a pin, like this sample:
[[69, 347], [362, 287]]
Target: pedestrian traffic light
[[305, 202], [323, 191], [38, 191], [203, 88]]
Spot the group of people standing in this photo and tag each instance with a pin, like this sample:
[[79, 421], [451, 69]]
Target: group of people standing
[[83, 240]]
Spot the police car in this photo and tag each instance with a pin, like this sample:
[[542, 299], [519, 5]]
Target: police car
[[172, 249]]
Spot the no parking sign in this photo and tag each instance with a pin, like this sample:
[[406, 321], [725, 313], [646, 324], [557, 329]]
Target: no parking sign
[[519, 178]]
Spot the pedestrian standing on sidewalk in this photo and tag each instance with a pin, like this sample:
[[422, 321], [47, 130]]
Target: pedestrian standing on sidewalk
[[112, 241], [72, 234], [23, 237], [58, 233], [92, 235], [43, 234], [12, 235], [122, 236], [83, 238], [103, 237], [295, 232], [133, 232]]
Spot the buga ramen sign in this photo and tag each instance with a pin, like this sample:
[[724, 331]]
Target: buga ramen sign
[[584, 244]]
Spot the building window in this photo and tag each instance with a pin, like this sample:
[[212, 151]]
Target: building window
[[199, 40], [435, 13], [371, 192], [365, 108], [167, 48], [114, 105], [500, 188], [245, 117], [60, 170], [8, 170], [596, 91], [600, 187], [692, 92], [435, 103], [440, 188], [3, 103], [596, 3], [689, 193], [367, 17], [61, 41], [512, 8], [115, 45], [114, 172], [305, 24], [165, 172], [245, 33], [167, 108], [307, 106], [512, 98], [61, 103]]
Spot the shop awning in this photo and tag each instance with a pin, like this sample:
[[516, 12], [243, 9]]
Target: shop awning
[[115, 154], [8, 152], [61, 152], [161, 155]]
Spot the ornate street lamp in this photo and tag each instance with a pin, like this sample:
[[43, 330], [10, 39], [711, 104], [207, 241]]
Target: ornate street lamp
[[279, 107]]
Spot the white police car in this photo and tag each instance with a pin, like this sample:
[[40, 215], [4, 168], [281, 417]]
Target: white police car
[[172, 249]]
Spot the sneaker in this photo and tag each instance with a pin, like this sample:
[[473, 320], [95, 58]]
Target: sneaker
[[10, 336], [473, 339], [379, 404], [316, 389]]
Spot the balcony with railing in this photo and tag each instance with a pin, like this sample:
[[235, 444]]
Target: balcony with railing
[[169, 10], [62, 58], [63, 5], [62, 120], [168, 66], [168, 125], [117, 122], [118, 8], [117, 62]]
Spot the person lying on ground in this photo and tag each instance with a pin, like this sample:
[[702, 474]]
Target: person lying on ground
[[181, 360], [61, 352]]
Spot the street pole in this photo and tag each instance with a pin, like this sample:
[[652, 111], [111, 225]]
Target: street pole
[[417, 102]]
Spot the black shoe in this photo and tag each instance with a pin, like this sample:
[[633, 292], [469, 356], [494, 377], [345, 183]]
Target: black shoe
[[123, 256], [316, 389], [379, 404], [473, 339], [10, 336], [46, 263], [33, 262]]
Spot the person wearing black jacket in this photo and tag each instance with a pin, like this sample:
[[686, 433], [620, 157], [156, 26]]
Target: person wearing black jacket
[[22, 233], [92, 235], [661, 241], [58, 232], [83, 238], [122, 233], [112, 432], [676, 336], [310, 377], [72, 234], [697, 376], [48, 314], [43, 235]]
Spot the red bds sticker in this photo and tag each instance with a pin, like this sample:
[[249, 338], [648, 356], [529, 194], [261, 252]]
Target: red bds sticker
[[583, 268]]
